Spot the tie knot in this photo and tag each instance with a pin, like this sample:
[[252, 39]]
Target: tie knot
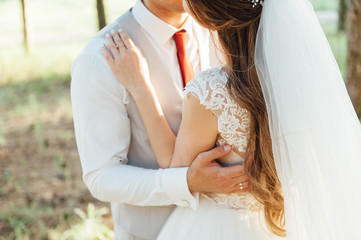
[[180, 39]]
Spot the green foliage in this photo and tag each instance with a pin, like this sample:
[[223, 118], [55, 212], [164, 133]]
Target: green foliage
[[2, 133], [8, 176], [28, 221], [325, 5], [338, 42], [89, 227], [24, 221]]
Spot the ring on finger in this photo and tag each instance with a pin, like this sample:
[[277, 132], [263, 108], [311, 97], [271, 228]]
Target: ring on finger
[[118, 46]]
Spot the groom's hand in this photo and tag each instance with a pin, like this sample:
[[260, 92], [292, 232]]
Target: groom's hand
[[206, 175]]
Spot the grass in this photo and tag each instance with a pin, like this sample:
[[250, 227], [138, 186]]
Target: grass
[[41, 192], [89, 226], [24, 221], [77, 224]]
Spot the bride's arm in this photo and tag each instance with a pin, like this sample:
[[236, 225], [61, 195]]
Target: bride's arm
[[197, 133], [198, 130], [131, 69]]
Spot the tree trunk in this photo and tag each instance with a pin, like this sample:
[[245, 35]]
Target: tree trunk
[[26, 28], [354, 54], [101, 14], [342, 12]]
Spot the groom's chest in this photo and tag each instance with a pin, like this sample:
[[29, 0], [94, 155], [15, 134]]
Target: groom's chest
[[165, 72]]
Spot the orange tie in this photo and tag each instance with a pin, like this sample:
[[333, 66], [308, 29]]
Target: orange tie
[[185, 64]]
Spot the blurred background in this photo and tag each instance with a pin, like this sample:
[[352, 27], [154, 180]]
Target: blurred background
[[42, 195]]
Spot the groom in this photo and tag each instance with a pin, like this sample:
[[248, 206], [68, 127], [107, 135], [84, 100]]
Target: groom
[[117, 160]]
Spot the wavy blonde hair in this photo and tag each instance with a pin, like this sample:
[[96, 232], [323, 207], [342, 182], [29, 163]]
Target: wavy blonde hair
[[237, 22]]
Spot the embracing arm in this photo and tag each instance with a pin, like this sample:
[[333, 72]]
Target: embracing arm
[[161, 136], [197, 133], [103, 137], [131, 68], [198, 130]]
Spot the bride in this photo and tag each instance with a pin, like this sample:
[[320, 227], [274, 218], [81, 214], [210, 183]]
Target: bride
[[279, 96]]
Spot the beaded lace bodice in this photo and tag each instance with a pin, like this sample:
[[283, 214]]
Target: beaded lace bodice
[[234, 127]]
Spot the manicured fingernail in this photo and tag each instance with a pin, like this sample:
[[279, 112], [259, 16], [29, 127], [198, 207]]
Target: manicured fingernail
[[112, 31], [120, 30], [107, 35], [227, 148]]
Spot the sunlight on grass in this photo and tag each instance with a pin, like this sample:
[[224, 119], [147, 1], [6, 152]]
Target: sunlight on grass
[[34, 219], [89, 227]]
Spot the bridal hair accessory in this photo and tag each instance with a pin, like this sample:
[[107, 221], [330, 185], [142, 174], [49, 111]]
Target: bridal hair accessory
[[316, 134], [256, 2]]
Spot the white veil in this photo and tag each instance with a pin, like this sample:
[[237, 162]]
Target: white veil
[[314, 128]]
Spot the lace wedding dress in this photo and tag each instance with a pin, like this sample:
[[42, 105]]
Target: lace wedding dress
[[221, 216]]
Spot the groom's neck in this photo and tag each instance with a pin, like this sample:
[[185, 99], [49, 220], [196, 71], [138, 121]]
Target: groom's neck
[[172, 14]]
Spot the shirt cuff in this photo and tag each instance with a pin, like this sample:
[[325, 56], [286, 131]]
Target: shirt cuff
[[174, 181]]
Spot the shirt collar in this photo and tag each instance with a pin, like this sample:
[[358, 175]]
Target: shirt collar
[[161, 31]]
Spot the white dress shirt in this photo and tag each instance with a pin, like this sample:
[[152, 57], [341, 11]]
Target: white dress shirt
[[160, 34], [117, 160]]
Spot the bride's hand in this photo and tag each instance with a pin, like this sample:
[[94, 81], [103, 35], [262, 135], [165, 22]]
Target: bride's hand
[[127, 63]]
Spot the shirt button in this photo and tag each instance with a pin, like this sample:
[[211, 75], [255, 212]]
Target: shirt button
[[185, 203]]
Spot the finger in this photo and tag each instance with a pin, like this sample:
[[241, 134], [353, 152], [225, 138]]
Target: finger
[[232, 172], [238, 180], [107, 56], [111, 45], [122, 49], [140, 52], [238, 188], [235, 185], [129, 44], [213, 154], [242, 185], [117, 39]]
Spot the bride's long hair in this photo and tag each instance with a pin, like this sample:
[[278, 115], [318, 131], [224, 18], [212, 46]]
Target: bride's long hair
[[236, 23]]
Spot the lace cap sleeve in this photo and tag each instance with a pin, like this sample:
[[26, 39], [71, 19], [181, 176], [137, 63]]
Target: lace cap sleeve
[[233, 121], [207, 86]]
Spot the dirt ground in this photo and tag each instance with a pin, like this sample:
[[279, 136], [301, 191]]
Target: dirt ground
[[40, 178]]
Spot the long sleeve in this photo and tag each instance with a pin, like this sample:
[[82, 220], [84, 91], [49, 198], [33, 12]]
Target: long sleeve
[[103, 136]]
